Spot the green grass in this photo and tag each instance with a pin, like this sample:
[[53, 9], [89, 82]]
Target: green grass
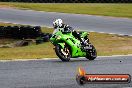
[[117, 10], [32, 51], [110, 44], [29, 52], [106, 44]]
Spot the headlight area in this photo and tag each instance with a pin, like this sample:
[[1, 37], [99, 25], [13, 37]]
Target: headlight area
[[58, 37]]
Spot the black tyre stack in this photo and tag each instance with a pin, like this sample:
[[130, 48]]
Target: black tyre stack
[[23, 32], [2, 31]]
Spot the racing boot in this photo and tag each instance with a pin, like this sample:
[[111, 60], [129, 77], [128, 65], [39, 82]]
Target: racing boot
[[86, 46]]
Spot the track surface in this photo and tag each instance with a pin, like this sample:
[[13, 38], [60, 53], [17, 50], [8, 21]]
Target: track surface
[[54, 73], [57, 74], [78, 21]]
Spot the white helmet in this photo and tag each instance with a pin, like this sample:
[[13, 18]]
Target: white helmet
[[57, 23]]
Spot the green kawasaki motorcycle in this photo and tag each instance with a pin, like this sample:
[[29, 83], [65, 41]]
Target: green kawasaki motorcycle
[[67, 46]]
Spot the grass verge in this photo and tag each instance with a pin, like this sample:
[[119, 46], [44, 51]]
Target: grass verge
[[106, 44], [117, 10]]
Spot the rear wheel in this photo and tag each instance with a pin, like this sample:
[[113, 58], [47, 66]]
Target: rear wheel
[[63, 54], [91, 54]]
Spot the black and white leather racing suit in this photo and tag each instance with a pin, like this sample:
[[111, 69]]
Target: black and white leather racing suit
[[67, 28]]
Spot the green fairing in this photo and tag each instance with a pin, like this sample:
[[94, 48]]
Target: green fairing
[[84, 34], [61, 39]]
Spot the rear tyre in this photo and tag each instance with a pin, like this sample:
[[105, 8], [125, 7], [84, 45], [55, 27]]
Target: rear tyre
[[63, 54], [91, 54]]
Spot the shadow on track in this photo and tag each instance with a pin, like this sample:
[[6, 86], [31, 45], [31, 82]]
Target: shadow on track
[[73, 60]]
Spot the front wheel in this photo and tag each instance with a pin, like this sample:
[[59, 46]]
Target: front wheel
[[91, 54], [63, 54]]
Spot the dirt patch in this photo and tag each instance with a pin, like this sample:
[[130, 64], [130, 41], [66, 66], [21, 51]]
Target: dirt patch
[[6, 46], [125, 48], [5, 6]]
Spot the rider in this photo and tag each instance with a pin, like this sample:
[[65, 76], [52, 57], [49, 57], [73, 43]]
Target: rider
[[58, 23]]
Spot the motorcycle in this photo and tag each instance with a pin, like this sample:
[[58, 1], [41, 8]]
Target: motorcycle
[[67, 46]]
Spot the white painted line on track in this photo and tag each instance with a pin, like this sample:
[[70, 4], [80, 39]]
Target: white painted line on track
[[58, 58], [117, 55], [28, 59]]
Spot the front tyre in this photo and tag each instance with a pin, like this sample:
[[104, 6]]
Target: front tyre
[[91, 54], [63, 54]]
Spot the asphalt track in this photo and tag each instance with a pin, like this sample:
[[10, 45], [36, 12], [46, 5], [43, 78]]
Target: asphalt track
[[83, 22], [57, 74]]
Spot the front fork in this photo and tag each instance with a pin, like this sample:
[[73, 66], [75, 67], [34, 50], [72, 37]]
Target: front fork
[[88, 47], [64, 49]]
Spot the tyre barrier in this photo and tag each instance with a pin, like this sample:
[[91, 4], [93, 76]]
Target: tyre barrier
[[23, 32], [20, 32], [44, 37]]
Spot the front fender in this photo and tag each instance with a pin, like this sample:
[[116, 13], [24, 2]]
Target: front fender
[[62, 45]]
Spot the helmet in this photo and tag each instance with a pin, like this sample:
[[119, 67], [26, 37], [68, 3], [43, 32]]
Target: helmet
[[57, 23]]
